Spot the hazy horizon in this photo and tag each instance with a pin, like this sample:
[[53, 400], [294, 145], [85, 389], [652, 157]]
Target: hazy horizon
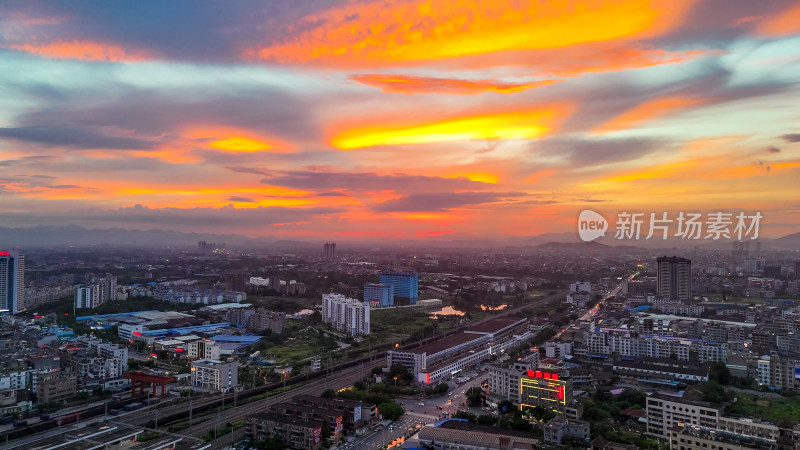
[[393, 119]]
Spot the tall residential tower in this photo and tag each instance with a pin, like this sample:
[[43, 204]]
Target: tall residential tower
[[674, 277], [12, 282]]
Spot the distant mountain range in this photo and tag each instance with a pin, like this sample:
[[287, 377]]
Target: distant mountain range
[[72, 235]]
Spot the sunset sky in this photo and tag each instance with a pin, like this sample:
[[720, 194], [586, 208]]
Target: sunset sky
[[403, 119]]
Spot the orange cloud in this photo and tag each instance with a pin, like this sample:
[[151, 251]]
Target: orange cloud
[[82, 50], [240, 144], [537, 176], [646, 173], [235, 140], [397, 31], [482, 177], [528, 124], [403, 84], [647, 111], [781, 24], [607, 59]]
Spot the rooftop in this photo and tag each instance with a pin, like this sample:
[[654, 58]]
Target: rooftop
[[723, 436], [445, 343], [495, 325], [250, 339], [287, 420]]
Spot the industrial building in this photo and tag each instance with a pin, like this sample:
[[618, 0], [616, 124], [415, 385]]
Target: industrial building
[[441, 359]]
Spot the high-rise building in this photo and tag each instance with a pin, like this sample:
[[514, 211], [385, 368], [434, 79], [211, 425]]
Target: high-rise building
[[330, 250], [12, 282], [547, 390], [236, 282], [379, 295], [345, 313], [87, 296], [674, 277], [405, 285], [94, 294]]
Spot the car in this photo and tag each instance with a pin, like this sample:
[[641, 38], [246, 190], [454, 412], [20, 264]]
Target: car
[[449, 393], [463, 392], [421, 404]]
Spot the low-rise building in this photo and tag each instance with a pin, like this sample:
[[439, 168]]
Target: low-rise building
[[472, 437], [664, 412], [296, 433], [56, 386], [350, 410], [692, 437], [203, 349], [560, 428], [215, 375]]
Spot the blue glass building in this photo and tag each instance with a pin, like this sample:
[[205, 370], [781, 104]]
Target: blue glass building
[[405, 284], [379, 294]]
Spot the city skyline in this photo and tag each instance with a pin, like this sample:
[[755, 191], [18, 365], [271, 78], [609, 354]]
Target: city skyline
[[336, 121]]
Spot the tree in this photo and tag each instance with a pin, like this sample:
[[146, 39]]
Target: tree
[[485, 419], [714, 392], [465, 415], [540, 413], [391, 410], [400, 371], [720, 373], [326, 431], [475, 396], [276, 443], [328, 393], [543, 336], [505, 407]]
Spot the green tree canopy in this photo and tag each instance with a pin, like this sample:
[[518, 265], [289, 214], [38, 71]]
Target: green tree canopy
[[475, 396], [714, 392], [391, 410], [720, 373]]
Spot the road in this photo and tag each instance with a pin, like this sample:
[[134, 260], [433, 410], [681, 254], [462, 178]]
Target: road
[[592, 312], [420, 412]]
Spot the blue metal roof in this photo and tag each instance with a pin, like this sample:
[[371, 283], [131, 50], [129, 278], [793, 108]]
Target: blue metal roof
[[448, 420], [186, 330], [100, 316], [232, 338]]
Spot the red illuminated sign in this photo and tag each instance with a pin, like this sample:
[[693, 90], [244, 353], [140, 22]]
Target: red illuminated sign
[[317, 433], [543, 375], [428, 378], [136, 333], [5, 253], [178, 349], [561, 392]]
